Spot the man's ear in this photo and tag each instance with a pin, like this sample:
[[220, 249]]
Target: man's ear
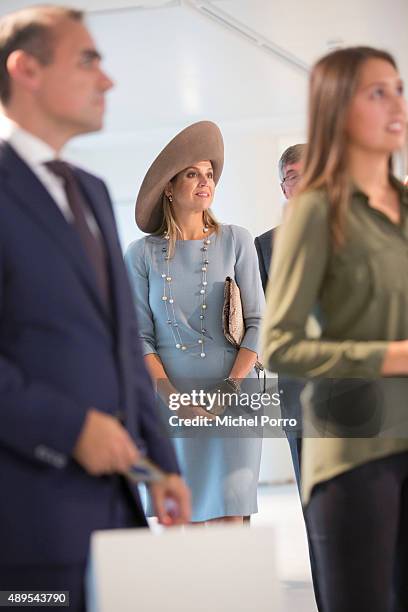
[[24, 69]]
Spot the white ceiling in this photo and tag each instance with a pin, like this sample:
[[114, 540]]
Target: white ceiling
[[172, 65]]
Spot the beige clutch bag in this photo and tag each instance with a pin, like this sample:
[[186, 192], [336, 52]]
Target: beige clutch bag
[[233, 324], [233, 318]]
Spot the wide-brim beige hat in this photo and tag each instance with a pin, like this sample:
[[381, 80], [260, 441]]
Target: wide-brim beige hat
[[198, 142]]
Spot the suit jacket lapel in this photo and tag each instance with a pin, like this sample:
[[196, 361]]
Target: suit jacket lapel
[[31, 194]]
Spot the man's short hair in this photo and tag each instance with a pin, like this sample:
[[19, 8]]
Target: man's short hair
[[30, 29], [291, 155]]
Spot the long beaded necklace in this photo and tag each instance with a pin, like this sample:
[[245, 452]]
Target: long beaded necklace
[[169, 298]]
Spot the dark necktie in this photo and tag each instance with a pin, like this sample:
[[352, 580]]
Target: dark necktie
[[92, 244]]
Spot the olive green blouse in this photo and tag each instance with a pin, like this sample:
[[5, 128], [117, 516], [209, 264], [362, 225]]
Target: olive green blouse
[[362, 292]]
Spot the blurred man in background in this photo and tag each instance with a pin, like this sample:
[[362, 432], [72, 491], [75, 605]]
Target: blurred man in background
[[290, 173]]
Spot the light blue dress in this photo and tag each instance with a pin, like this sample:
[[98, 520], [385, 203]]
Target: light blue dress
[[222, 472]]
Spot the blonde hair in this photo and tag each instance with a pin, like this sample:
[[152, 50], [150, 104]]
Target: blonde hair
[[169, 224], [333, 83]]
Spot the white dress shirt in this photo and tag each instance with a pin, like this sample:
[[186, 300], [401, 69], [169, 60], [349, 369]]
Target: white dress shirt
[[35, 153]]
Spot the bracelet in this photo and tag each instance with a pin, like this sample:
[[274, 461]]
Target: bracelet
[[233, 383]]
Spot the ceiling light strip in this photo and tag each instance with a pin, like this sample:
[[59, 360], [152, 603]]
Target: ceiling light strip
[[226, 20]]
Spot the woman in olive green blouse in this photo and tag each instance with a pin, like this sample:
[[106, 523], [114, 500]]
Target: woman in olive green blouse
[[344, 245]]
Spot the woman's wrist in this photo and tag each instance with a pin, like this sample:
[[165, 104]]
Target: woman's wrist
[[165, 389]]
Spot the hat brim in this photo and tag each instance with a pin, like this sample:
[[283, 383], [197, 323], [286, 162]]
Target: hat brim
[[198, 142]]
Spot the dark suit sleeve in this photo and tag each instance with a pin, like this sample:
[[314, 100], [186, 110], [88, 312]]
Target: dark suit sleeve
[[36, 420], [262, 269]]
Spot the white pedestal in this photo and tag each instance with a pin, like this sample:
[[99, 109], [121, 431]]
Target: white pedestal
[[212, 569]]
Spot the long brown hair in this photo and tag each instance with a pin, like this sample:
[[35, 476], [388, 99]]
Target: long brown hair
[[333, 82]]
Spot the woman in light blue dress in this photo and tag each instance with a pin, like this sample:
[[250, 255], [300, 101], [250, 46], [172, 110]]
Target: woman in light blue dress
[[177, 274]]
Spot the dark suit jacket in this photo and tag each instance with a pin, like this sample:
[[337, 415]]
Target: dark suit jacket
[[264, 247], [61, 353]]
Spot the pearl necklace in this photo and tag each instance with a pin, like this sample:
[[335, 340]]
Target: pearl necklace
[[169, 299]]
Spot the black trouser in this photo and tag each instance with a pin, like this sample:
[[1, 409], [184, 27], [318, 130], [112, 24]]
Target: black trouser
[[290, 390], [358, 527]]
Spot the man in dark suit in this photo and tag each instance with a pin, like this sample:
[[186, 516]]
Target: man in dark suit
[[75, 399], [290, 170]]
